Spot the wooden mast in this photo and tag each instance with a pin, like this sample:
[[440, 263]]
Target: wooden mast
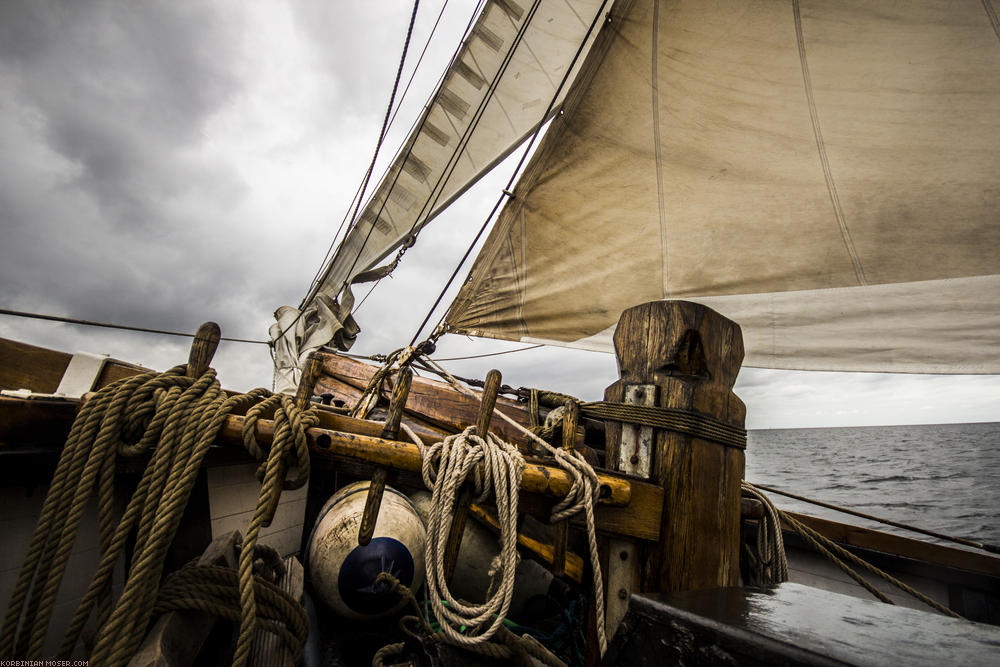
[[676, 354]]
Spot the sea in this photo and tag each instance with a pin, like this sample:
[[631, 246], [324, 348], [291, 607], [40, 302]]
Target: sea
[[941, 477]]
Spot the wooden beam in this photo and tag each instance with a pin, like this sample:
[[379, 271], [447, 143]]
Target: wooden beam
[[40, 369], [898, 545], [434, 401]]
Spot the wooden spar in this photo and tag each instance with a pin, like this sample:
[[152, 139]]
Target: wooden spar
[[538, 478], [491, 389], [389, 432], [692, 355]]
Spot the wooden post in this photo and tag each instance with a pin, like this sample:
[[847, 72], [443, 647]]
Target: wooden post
[[570, 421], [206, 341], [692, 355], [491, 387], [379, 476]]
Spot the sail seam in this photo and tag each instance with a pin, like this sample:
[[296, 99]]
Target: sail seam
[[831, 186], [992, 14], [656, 146]]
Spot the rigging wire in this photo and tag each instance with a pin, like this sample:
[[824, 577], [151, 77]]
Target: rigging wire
[[506, 191], [124, 327], [357, 193], [491, 354], [401, 155], [446, 174], [378, 145], [438, 189]]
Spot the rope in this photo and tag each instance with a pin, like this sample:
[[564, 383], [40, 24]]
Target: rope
[[681, 421], [837, 555], [123, 327], [369, 398], [494, 467], [215, 590], [992, 548], [505, 645], [771, 561], [580, 498], [173, 419]]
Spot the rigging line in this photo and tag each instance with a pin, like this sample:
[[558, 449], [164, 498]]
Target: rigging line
[[960, 540], [388, 112], [124, 327], [325, 271], [402, 97], [524, 156], [378, 145], [456, 156], [491, 354]]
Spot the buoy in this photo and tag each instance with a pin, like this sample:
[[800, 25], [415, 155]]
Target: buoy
[[344, 574]]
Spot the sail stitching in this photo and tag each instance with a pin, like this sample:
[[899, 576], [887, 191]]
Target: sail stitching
[[821, 147], [992, 14], [656, 145]]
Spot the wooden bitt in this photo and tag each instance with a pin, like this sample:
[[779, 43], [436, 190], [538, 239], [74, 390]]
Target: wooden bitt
[[570, 419], [491, 388], [692, 354], [391, 429], [303, 394], [206, 342]]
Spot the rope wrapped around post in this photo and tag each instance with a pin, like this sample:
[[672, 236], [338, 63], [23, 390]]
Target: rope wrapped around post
[[581, 498], [495, 468]]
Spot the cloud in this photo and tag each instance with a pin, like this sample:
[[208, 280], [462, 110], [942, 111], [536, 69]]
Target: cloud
[[166, 163]]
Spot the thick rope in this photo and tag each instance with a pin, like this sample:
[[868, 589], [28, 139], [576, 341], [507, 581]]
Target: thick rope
[[681, 421], [216, 590], [173, 419], [581, 498], [495, 468], [770, 561]]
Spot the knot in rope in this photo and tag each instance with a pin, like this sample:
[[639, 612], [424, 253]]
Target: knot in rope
[[494, 467], [391, 363]]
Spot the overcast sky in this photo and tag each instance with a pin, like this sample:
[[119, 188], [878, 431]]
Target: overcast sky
[[167, 163]]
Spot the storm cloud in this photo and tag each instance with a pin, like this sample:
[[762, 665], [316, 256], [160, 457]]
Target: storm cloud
[[167, 163]]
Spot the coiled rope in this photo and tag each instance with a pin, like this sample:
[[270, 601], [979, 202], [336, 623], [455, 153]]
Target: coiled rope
[[173, 419], [770, 561], [495, 467], [580, 499]]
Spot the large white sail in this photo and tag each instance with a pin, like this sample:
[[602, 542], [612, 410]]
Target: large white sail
[[824, 172], [513, 67]]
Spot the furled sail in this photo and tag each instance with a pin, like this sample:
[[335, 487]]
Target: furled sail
[[509, 71], [824, 172]]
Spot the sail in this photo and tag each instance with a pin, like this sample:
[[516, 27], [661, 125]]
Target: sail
[[507, 78], [824, 172]]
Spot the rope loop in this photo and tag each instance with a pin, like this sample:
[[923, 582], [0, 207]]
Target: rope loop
[[494, 467], [173, 420]]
